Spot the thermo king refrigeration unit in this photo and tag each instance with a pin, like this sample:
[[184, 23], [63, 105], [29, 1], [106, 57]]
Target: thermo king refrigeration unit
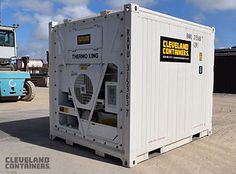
[[130, 82]]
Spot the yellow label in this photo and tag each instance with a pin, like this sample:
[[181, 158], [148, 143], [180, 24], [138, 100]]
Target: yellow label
[[63, 109], [83, 39], [66, 110], [200, 56], [83, 68]]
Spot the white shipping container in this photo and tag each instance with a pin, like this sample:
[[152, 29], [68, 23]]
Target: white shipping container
[[130, 82]]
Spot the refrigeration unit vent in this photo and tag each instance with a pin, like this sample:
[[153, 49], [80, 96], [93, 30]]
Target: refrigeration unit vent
[[111, 97], [83, 89]]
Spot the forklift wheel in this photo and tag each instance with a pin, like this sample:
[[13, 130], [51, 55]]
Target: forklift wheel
[[30, 91]]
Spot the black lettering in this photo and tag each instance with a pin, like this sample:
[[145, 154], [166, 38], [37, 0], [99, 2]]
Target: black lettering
[[7, 159], [34, 166], [43, 166], [11, 166], [85, 56], [47, 166], [93, 55], [40, 159], [46, 159]]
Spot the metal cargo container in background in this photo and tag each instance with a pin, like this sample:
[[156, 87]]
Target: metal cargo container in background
[[224, 70], [130, 82]]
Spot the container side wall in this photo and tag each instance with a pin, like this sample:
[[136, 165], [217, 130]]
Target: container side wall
[[169, 100]]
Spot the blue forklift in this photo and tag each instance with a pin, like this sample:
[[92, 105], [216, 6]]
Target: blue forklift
[[14, 85]]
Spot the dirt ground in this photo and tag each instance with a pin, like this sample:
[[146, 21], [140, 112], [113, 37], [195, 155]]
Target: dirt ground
[[24, 133]]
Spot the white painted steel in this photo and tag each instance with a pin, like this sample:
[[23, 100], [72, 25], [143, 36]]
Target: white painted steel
[[5, 51], [160, 105]]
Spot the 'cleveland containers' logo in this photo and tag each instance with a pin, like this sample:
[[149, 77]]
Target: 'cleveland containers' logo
[[175, 50]]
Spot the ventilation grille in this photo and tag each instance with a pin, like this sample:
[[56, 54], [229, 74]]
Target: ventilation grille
[[83, 89], [111, 95]]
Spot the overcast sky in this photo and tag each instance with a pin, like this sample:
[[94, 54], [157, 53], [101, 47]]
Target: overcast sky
[[34, 15]]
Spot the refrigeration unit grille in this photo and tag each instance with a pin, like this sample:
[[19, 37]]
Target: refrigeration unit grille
[[83, 89], [111, 95]]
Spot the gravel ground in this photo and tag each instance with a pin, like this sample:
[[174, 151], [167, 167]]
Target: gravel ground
[[24, 133]]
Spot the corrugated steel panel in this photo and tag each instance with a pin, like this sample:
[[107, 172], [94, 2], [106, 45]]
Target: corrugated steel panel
[[169, 101]]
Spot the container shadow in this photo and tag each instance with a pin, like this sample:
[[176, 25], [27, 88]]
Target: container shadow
[[36, 131]]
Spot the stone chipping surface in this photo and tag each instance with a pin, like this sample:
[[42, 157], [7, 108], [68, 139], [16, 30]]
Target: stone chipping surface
[[24, 133]]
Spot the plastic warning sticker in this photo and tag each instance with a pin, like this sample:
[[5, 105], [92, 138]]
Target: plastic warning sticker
[[175, 50], [83, 39]]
